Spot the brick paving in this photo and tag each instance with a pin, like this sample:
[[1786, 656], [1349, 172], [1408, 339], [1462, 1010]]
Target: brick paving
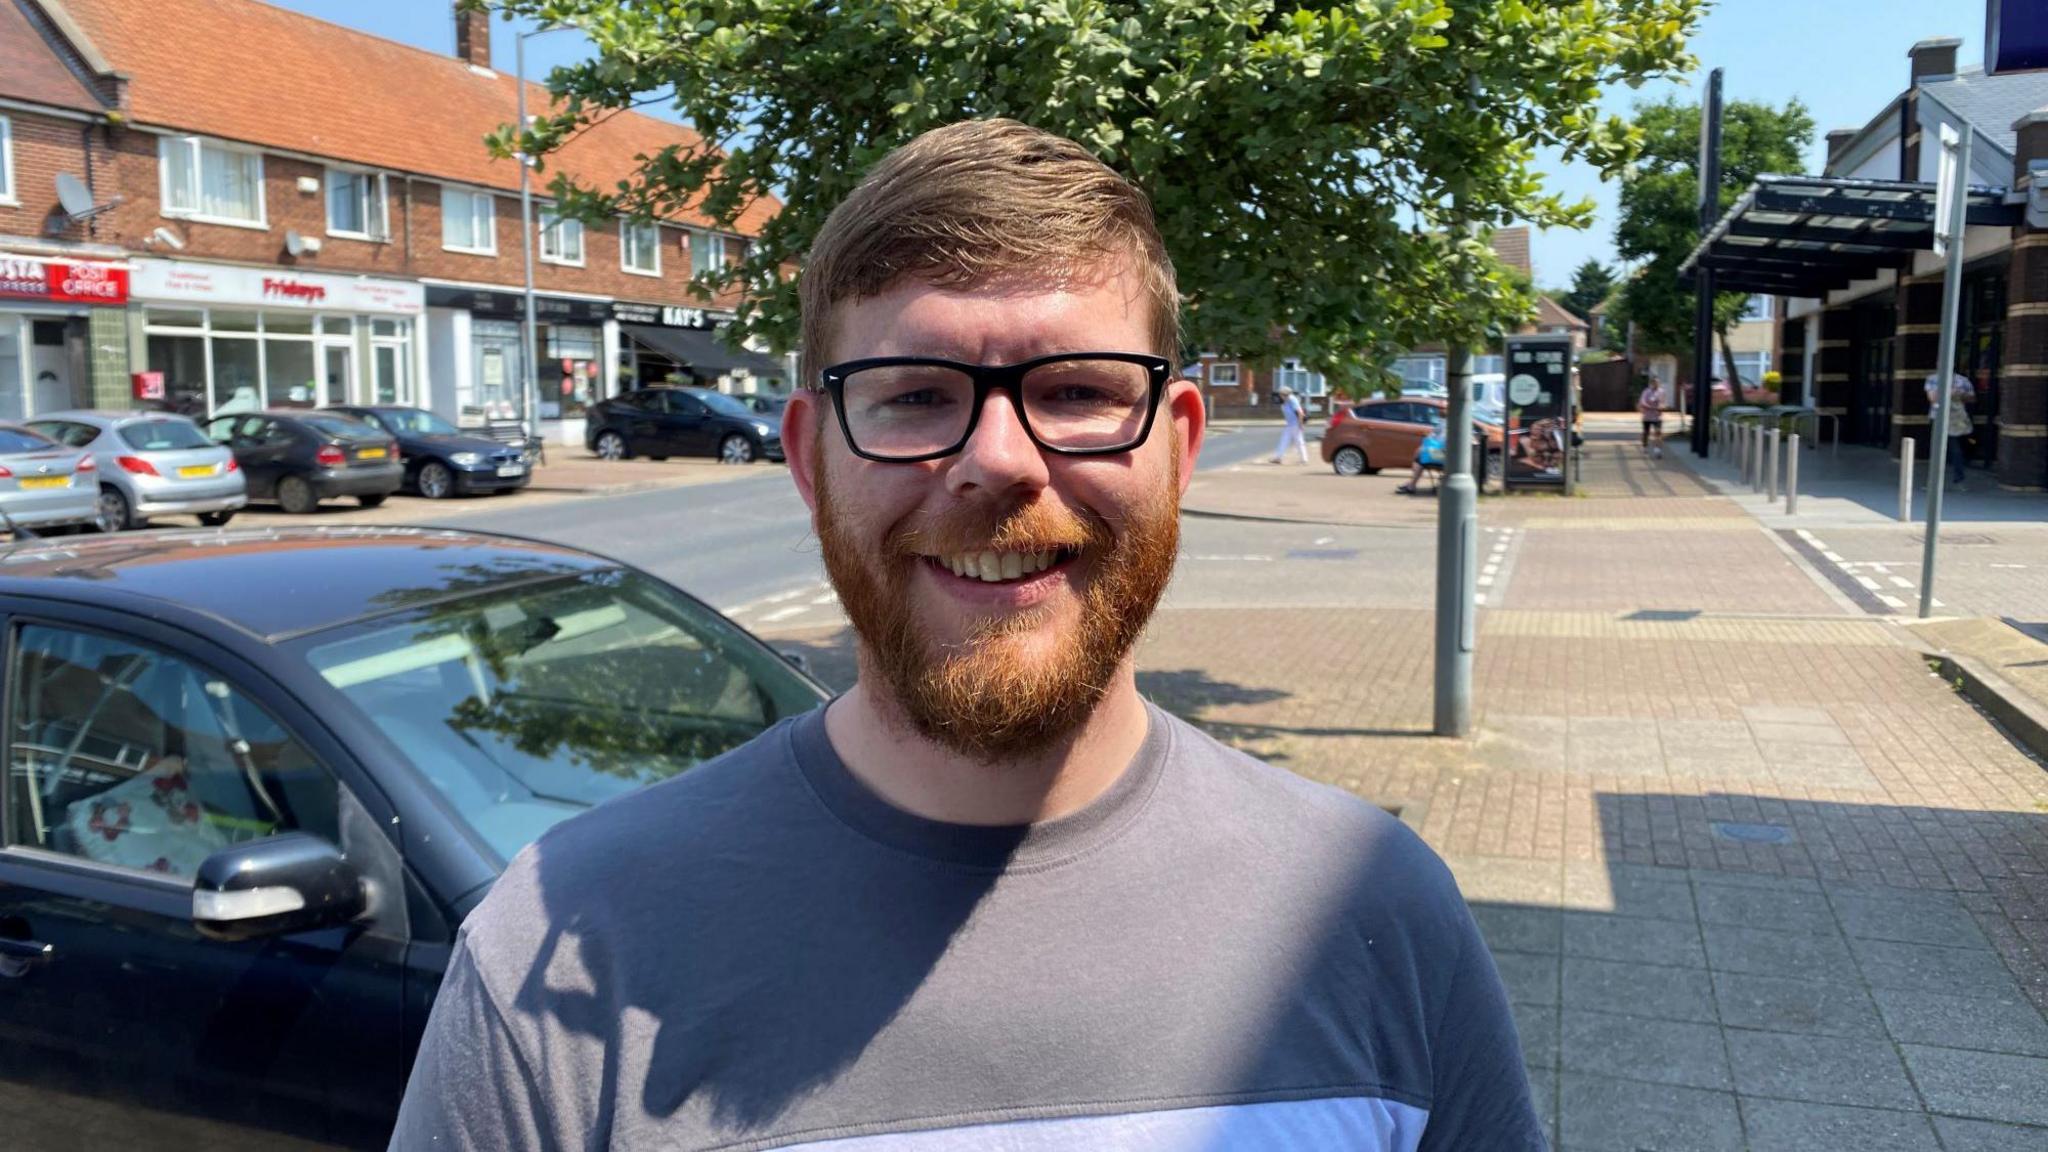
[[1755, 877]]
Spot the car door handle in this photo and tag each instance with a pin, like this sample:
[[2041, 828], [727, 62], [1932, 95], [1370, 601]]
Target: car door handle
[[18, 956]]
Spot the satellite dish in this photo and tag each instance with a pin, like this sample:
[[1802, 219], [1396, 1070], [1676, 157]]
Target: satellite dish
[[294, 243], [72, 194]]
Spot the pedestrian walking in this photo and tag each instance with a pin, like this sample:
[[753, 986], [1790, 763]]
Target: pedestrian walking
[[1290, 430], [990, 897], [1651, 405], [1960, 422]]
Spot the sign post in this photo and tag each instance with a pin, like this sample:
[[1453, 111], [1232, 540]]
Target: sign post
[[1537, 452], [1951, 216]]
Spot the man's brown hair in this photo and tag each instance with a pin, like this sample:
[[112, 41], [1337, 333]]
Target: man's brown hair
[[979, 201]]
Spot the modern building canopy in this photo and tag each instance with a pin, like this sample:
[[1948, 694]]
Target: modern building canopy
[[702, 350], [1810, 235]]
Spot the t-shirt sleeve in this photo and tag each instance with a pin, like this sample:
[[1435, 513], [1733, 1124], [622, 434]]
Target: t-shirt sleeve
[[1479, 1089], [471, 1087]]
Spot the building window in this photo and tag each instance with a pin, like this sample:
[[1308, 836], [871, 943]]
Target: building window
[[1419, 369], [561, 241], [707, 252], [1222, 375], [1488, 365], [1291, 374], [210, 181], [218, 361], [1756, 308], [357, 205], [640, 247], [6, 161], [1751, 366], [469, 221]]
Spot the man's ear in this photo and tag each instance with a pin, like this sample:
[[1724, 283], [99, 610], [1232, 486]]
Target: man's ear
[[1189, 418], [803, 425]]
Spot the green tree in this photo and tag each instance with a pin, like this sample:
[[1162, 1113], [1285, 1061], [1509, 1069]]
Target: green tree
[[1659, 221], [1590, 285], [1321, 173]]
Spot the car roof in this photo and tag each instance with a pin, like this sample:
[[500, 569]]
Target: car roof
[[280, 582], [107, 417]]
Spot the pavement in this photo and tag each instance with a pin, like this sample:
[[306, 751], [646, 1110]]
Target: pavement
[[1756, 876]]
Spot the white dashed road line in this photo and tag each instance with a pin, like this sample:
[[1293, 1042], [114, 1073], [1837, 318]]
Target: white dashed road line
[[784, 613]]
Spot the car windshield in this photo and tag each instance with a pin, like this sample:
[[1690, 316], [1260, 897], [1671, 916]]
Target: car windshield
[[417, 422], [163, 436], [526, 705], [23, 440], [339, 426], [726, 406]]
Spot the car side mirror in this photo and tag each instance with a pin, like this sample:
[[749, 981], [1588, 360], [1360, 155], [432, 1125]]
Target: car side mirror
[[796, 660], [292, 882]]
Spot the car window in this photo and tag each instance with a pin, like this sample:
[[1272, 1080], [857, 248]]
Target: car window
[[724, 405], [1376, 411], [267, 432], [163, 436], [128, 755], [525, 705], [23, 440], [336, 425], [67, 432], [684, 404]]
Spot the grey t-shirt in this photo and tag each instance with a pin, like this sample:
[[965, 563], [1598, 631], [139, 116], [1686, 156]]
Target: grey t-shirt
[[763, 954]]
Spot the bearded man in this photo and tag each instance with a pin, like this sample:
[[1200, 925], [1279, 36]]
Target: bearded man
[[989, 897]]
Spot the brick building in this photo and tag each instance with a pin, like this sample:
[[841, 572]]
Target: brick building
[[310, 216]]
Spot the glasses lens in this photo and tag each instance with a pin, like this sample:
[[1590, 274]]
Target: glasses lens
[[906, 410], [1086, 403]]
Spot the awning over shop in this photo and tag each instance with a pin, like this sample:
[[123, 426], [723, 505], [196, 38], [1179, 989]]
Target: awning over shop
[[702, 350], [1811, 235]]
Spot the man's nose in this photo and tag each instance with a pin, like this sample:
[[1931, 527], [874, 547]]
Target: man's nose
[[1000, 456]]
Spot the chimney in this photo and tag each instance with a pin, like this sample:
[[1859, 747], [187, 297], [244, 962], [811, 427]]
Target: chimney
[[1838, 140], [2030, 145], [1934, 59], [473, 35]]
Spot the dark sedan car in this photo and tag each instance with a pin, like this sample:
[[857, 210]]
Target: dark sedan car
[[257, 779], [442, 460], [661, 422], [299, 458]]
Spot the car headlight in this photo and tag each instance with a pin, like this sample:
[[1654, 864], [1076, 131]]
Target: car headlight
[[763, 428], [465, 459]]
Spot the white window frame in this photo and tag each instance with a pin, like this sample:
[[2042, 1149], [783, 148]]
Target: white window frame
[[1292, 373], [551, 223], [1216, 378], [714, 248], [378, 222], [7, 193], [628, 228], [198, 146], [490, 224], [1751, 312]]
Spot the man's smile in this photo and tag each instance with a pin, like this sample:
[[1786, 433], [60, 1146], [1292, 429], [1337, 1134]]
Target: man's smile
[[997, 566]]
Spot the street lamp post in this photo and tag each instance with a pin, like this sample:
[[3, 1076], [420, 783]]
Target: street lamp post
[[529, 336]]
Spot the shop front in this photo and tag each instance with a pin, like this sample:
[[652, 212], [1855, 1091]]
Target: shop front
[[47, 308], [666, 344], [480, 360], [220, 338]]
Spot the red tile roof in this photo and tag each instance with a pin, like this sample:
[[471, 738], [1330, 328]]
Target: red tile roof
[[1549, 311], [32, 71], [243, 70]]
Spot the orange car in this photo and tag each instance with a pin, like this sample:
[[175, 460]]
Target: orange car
[[1374, 434]]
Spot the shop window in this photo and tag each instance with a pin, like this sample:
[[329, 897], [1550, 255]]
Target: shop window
[[237, 375], [1222, 375], [707, 253], [561, 240], [225, 320], [10, 369], [288, 372], [176, 318], [182, 360], [640, 247], [357, 205], [469, 221], [210, 181], [6, 161]]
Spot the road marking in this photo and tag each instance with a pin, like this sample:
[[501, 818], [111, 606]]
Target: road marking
[[783, 613], [1322, 540], [1486, 581], [779, 597], [1224, 556], [827, 598], [1491, 569], [1867, 582], [1836, 559], [2008, 565], [1901, 582], [1479, 598], [1891, 601], [1807, 536]]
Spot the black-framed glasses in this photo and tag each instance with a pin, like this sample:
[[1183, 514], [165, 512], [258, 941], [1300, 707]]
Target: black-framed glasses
[[903, 409]]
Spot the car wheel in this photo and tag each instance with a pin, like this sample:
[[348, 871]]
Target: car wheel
[[611, 446], [1350, 461], [376, 501], [114, 513], [296, 496], [735, 449], [216, 519], [435, 481]]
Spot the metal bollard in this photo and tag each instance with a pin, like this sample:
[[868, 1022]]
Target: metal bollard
[[1771, 470], [1906, 481], [1756, 454], [1792, 476]]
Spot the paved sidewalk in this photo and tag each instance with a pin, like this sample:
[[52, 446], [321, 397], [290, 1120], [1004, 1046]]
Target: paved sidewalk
[[1755, 877]]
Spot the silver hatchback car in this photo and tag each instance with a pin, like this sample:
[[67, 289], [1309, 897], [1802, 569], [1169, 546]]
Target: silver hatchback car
[[44, 484], [152, 464]]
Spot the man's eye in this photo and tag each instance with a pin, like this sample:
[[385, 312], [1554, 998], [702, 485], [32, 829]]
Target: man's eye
[[916, 398]]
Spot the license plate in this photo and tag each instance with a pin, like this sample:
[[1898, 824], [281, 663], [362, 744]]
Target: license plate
[[370, 454], [46, 482], [511, 470], [195, 471]]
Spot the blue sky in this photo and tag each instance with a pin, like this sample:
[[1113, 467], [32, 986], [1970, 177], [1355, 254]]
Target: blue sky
[[1844, 58]]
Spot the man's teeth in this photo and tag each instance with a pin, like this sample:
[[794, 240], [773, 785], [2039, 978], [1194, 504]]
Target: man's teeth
[[995, 567]]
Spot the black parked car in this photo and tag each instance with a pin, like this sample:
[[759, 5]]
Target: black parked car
[[299, 457], [442, 460], [256, 779], [661, 422]]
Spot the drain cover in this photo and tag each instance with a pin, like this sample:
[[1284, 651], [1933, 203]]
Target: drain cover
[[1751, 833]]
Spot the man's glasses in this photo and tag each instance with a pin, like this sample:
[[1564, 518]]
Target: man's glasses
[[902, 409]]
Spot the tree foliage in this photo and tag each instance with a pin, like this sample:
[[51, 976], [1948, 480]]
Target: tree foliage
[[1318, 170], [1590, 285], [1659, 220]]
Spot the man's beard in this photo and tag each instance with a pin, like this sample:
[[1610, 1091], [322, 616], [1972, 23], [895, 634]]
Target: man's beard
[[983, 697]]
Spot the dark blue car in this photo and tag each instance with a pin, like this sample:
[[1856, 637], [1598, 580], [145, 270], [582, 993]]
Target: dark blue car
[[255, 780], [442, 460]]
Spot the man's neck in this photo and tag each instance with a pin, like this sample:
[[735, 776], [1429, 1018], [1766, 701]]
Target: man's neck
[[883, 751]]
